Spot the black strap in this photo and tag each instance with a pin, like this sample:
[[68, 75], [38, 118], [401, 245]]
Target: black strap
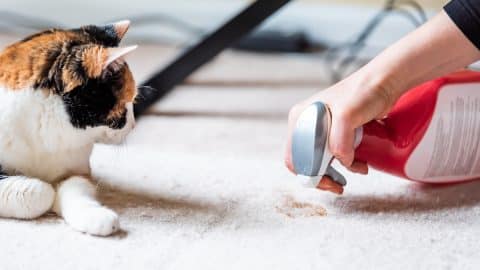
[[193, 58], [3, 175]]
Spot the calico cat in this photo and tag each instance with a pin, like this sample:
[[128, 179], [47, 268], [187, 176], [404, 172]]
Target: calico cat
[[61, 91]]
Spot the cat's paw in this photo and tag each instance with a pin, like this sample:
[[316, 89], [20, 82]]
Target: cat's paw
[[25, 198], [96, 220]]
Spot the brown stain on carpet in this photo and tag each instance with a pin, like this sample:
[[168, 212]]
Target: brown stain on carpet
[[294, 209]]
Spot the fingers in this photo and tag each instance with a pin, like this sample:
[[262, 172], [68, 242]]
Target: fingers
[[341, 143], [341, 140], [358, 167], [288, 161], [326, 183], [288, 152]]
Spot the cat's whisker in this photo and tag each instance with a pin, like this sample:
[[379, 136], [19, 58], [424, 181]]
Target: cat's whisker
[[122, 149], [147, 87]]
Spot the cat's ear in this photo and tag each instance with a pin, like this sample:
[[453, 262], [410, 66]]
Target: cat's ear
[[96, 59], [121, 28], [117, 53]]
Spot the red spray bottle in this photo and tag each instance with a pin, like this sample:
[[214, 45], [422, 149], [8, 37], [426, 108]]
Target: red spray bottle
[[431, 135]]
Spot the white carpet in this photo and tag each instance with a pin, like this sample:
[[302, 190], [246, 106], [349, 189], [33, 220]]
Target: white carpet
[[200, 184]]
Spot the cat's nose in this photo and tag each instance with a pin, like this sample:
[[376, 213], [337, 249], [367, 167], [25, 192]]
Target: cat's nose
[[121, 28]]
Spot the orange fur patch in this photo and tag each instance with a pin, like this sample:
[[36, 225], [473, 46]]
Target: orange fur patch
[[126, 95], [93, 59], [21, 63]]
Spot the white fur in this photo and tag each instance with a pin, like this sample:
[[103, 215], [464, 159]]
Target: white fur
[[75, 201], [25, 198], [38, 141]]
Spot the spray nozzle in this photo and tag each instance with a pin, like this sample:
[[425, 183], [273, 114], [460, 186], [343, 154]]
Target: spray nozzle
[[310, 154]]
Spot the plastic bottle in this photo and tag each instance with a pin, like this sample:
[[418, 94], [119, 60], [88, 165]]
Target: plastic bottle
[[432, 134]]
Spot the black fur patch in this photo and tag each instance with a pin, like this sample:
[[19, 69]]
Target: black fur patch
[[104, 35], [90, 104], [51, 67]]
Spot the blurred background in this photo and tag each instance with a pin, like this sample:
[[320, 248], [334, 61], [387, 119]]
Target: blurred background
[[323, 24]]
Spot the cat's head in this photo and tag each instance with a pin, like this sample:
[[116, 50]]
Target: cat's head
[[83, 66]]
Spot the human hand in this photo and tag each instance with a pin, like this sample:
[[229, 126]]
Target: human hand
[[352, 103]]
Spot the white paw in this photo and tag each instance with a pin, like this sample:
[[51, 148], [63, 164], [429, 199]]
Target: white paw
[[25, 198], [95, 220]]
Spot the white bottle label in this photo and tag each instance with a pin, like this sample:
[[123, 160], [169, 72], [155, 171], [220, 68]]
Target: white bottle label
[[450, 149]]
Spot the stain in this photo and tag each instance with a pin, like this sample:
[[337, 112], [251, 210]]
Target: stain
[[294, 209]]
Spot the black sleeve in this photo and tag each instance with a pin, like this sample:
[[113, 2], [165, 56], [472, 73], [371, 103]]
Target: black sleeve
[[466, 15]]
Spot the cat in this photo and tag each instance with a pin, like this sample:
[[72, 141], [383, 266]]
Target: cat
[[62, 91]]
